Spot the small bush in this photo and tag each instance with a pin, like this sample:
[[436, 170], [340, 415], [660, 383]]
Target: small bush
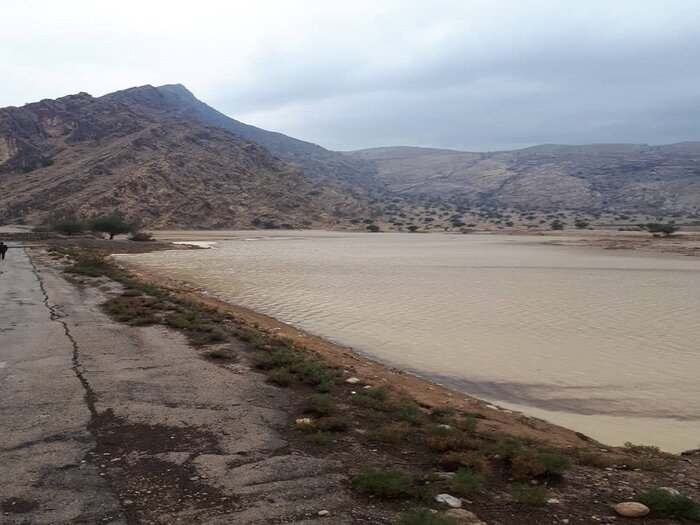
[[67, 227], [456, 441], [422, 517], [470, 460], [275, 359], [390, 483], [468, 423], [321, 405], [442, 414], [505, 446], [280, 377], [407, 410], [221, 354], [530, 495], [466, 483], [663, 504], [393, 432], [527, 464], [314, 372]]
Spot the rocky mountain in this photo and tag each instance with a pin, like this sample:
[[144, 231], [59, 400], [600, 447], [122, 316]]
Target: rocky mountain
[[353, 175], [80, 156], [620, 177]]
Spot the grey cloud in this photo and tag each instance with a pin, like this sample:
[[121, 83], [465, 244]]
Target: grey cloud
[[468, 74]]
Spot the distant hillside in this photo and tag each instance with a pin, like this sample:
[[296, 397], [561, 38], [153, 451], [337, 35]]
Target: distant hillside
[[83, 156], [633, 177], [319, 164]]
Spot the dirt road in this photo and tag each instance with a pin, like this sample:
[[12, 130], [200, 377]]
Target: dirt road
[[106, 423]]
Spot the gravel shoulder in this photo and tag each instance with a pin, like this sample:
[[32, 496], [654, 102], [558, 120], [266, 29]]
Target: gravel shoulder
[[107, 423]]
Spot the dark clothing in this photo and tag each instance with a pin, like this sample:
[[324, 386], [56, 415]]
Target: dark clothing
[[3, 249]]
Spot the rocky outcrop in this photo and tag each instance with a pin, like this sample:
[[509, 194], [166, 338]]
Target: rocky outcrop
[[618, 177], [80, 156]]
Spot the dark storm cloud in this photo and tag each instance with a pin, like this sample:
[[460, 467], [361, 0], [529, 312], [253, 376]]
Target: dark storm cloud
[[467, 74]]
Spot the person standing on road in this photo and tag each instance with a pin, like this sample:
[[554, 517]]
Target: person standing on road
[[3, 249]]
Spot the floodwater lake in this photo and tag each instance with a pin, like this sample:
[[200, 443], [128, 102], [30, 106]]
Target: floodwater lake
[[603, 342]]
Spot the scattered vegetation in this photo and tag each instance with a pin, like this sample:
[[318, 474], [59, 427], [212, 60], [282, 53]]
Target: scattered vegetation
[[528, 464], [662, 229], [394, 432], [466, 483], [389, 483], [422, 517], [664, 504], [530, 495], [111, 225]]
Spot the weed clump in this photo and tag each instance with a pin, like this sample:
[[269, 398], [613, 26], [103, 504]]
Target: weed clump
[[221, 354], [530, 495], [321, 405], [466, 483], [280, 377], [393, 432], [389, 483], [664, 504], [473, 461], [407, 410], [528, 464]]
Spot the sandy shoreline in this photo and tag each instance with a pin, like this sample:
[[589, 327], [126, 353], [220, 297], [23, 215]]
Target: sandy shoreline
[[428, 390], [634, 241]]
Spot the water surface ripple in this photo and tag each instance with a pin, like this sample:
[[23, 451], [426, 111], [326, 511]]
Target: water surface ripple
[[604, 342]]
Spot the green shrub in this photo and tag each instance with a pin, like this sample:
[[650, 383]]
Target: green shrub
[[470, 460], [530, 495], [221, 354], [407, 410], [468, 423], [466, 483], [321, 405], [663, 504], [442, 414], [422, 517], [393, 432], [276, 359], [527, 464], [280, 377], [314, 372], [390, 483]]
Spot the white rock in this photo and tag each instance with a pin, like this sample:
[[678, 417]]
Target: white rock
[[324, 513], [352, 380], [669, 490], [553, 501], [631, 509], [447, 499]]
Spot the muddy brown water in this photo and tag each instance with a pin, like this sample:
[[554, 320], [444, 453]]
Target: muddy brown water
[[604, 342]]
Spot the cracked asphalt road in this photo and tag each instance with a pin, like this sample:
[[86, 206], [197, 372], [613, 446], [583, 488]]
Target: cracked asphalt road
[[107, 423]]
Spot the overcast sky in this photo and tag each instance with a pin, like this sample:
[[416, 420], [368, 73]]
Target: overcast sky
[[474, 75]]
